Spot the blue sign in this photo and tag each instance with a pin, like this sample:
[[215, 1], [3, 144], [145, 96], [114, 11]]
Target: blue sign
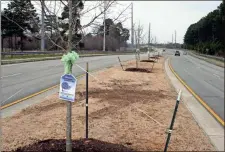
[[67, 87]]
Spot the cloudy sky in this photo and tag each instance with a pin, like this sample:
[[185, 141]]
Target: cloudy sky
[[165, 16]]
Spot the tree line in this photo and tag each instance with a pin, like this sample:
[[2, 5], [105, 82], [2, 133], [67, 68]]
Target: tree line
[[116, 36], [207, 35], [21, 29]]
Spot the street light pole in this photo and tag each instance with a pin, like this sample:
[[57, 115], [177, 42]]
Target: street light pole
[[104, 27], [175, 38], [42, 27]]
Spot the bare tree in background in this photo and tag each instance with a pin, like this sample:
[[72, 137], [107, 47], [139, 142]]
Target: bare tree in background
[[58, 36], [139, 38]]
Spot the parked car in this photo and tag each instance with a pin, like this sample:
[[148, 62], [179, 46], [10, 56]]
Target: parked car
[[177, 53]]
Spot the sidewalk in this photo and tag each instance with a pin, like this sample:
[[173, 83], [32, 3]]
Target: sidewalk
[[204, 119]]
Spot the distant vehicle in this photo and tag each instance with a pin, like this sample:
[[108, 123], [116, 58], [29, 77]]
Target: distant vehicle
[[164, 50], [185, 53], [177, 53]]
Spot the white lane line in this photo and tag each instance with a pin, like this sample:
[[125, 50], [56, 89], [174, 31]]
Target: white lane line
[[11, 75], [217, 75], [186, 72], [11, 96]]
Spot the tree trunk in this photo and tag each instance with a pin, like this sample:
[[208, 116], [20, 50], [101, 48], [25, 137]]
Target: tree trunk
[[11, 43], [15, 38], [69, 104], [2, 42], [21, 43]]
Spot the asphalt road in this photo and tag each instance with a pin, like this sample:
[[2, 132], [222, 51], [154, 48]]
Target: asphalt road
[[21, 80], [207, 80]]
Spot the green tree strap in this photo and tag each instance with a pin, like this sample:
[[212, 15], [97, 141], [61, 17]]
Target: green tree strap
[[68, 61]]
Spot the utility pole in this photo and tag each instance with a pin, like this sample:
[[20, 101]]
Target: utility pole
[[175, 38], [69, 104], [172, 38], [104, 26], [42, 27], [132, 26]]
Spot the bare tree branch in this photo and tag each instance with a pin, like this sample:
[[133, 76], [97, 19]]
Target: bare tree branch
[[93, 19], [121, 13], [63, 2], [82, 13]]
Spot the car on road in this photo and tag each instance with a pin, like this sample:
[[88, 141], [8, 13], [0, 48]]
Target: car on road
[[177, 53]]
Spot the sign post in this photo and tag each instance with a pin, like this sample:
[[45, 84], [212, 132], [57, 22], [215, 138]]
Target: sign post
[[169, 131], [87, 101]]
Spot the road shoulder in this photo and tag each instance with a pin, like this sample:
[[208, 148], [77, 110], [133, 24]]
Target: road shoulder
[[209, 60], [204, 119]]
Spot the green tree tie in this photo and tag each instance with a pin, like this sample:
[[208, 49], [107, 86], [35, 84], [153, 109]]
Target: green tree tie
[[68, 61]]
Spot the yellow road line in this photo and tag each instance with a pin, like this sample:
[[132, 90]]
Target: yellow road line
[[220, 120], [32, 95]]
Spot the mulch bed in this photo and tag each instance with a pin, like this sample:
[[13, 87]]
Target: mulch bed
[[155, 57], [81, 145], [147, 61], [138, 70]]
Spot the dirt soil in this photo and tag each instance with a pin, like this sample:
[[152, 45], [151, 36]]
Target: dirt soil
[[132, 109], [147, 61]]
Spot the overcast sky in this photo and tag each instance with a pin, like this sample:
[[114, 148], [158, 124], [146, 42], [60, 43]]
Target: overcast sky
[[165, 16]]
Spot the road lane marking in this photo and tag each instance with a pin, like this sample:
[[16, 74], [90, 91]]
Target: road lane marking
[[211, 111], [186, 72], [209, 82], [216, 75], [11, 75], [40, 92], [11, 96]]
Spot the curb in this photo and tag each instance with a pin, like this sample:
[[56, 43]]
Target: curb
[[199, 99], [15, 61]]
